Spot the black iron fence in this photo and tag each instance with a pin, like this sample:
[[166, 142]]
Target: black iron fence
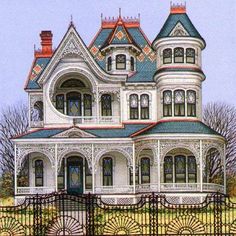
[[64, 214]]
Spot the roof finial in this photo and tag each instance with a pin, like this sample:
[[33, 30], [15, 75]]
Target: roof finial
[[119, 12], [178, 8]]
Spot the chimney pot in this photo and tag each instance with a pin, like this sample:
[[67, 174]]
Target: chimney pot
[[46, 42]]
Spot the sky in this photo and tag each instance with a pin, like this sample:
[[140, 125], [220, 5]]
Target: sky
[[21, 22]]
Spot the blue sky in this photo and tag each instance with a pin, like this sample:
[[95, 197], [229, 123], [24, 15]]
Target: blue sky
[[21, 21]]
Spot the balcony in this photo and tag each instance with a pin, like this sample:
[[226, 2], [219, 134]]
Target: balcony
[[94, 119]]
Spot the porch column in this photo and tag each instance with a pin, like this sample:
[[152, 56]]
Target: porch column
[[56, 165], [134, 169], [224, 165], [15, 171], [93, 174], [158, 167], [201, 166]]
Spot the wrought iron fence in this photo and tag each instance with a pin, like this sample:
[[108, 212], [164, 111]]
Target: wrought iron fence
[[64, 214]]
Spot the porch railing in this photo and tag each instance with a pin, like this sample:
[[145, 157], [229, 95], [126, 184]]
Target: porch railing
[[95, 119]]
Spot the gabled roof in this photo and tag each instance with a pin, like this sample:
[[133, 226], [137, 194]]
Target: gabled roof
[[173, 20]]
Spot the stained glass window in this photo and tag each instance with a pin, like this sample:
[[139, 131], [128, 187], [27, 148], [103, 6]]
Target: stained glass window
[[60, 103], [144, 100], [61, 176], [190, 55], [167, 56], [88, 176], [132, 64], [192, 170], [178, 55], [109, 64], [168, 169], [145, 170], [73, 83], [133, 104], [107, 171], [38, 173], [106, 105], [167, 103], [180, 169], [191, 103], [179, 99], [120, 62], [73, 104], [87, 105]]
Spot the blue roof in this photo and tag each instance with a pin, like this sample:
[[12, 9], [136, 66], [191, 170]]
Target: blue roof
[[172, 21], [43, 133]]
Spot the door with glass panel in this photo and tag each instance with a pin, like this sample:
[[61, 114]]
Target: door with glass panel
[[75, 175]]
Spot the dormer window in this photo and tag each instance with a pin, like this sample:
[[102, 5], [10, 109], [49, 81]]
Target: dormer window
[[109, 62], [179, 55], [167, 56], [132, 64], [190, 55], [120, 62]]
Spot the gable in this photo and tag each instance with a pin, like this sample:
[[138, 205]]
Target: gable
[[179, 31], [74, 133]]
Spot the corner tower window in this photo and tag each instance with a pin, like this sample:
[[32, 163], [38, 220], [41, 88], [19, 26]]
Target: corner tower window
[[109, 62], [120, 62], [73, 104], [144, 106], [107, 167], [190, 55], [167, 56], [179, 98], [38, 173], [132, 64], [178, 55], [106, 105], [167, 103], [191, 103], [133, 104]]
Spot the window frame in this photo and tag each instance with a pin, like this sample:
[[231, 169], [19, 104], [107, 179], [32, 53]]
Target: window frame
[[191, 106], [104, 110], [191, 57], [107, 176], [79, 99], [60, 109], [88, 174], [134, 111], [149, 170], [121, 63], [167, 106], [42, 173], [166, 57], [144, 110], [182, 104], [109, 63], [132, 64], [89, 108], [175, 56]]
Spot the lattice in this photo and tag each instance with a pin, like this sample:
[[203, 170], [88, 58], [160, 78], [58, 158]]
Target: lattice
[[191, 200], [125, 201], [109, 200], [173, 199]]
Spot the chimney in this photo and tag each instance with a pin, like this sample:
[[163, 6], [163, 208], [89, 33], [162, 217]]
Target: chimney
[[178, 8], [46, 42]]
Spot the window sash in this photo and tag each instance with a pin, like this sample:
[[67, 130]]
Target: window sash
[[109, 63], [107, 171], [106, 105], [167, 56], [179, 55], [39, 173], [190, 55], [121, 62], [88, 176], [145, 171], [87, 105], [132, 64], [74, 104], [180, 169], [60, 103]]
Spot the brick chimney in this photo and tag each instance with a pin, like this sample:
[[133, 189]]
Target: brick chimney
[[46, 43]]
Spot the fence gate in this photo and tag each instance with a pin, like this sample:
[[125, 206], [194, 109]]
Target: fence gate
[[64, 214]]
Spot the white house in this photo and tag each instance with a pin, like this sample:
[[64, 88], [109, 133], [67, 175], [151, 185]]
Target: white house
[[119, 110]]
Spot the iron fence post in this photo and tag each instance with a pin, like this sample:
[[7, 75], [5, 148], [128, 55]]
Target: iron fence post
[[218, 214]]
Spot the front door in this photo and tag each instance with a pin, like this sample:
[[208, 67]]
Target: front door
[[75, 175]]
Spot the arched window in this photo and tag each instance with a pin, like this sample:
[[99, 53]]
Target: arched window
[[38, 173], [73, 104], [178, 55], [167, 103], [107, 168], [190, 55], [106, 105], [191, 103], [192, 169], [133, 104], [179, 98], [168, 169], [60, 103], [180, 169], [132, 64], [109, 63], [120, 62], [73, 83], [87, 105], [144, 100], [88, 176], [167, 56], [145, 170]]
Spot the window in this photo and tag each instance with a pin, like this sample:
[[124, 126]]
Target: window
[[190, 55], [60, 103], [144, 106], [133, 104], [109, 63], [88, 176], [120, 62], [60, 176], [87, 105], [180, 169], [179, 55], [179, 98], [136, 177], [167, 103], [107, 167], [132, 64], [192, 170], [191, 103], [145, 170], [73, 83], [73, 104], [38, 173], [167, 56], [168, 169], [106, 105]]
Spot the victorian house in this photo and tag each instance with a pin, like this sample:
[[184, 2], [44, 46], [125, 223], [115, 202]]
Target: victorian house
[[119, 117]]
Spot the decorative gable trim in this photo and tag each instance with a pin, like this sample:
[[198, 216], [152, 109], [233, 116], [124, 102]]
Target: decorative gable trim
[[74, 133], [179, 31], [72, 44]]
